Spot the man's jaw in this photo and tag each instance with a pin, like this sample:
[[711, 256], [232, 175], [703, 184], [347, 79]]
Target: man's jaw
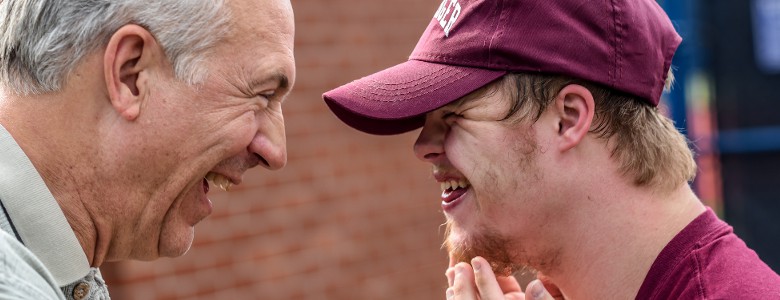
[[496, 249]]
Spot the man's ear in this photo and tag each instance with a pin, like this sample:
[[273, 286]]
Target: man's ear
[[575, 107], [131, 52]]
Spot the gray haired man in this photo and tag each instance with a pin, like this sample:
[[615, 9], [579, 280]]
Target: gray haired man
[[115, 117]]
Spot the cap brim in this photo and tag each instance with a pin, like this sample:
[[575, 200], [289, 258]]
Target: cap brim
[[396, 99]]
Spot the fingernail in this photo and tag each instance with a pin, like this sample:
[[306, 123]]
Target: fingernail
[[536, 289], [450, 293], [475, 264]]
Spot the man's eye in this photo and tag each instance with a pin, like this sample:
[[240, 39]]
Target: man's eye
[[267, 96], [449, 115]]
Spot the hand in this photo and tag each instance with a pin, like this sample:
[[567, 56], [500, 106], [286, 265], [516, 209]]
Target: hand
[[477, 281]]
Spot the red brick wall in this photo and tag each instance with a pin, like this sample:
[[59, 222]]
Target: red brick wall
[[352, 216]]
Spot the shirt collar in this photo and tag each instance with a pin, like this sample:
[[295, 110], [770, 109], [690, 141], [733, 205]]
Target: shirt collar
[[37, 216]]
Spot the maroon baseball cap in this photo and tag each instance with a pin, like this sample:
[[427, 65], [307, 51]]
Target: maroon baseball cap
[[626, 45]]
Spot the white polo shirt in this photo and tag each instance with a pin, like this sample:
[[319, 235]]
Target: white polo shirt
[[36, 218]]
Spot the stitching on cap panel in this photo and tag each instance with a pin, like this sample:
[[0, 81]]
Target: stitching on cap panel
[[497, 33], [615, 44]]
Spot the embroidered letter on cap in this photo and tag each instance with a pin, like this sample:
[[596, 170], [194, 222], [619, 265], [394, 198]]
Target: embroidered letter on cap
[[443, 12]]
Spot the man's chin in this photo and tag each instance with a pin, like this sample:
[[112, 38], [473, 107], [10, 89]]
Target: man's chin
[[490, 247], [506, 257], [175, 245], [500, 267]]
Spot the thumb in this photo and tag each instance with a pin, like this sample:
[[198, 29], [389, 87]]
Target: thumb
[[536, 291]]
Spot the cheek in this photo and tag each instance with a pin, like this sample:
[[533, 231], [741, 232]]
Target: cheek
[[238, 133], [508, 181], [491, 165], [271, 126]]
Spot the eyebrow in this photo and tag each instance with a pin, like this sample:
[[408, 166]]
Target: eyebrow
[[277, 76]]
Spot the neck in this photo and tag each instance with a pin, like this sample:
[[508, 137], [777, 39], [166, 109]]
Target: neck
[[613, 246], [55, 132]]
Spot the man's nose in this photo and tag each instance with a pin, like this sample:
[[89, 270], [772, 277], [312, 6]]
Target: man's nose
[[270, 144], [430, 143]]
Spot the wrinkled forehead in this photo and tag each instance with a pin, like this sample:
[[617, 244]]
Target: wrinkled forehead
[[262, 18], [261, 36]]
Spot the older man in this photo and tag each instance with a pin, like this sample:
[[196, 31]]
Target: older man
[[117, 117], [540, 120]]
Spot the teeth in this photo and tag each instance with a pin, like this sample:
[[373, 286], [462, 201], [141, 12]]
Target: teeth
[[454, 184], [219, 180]]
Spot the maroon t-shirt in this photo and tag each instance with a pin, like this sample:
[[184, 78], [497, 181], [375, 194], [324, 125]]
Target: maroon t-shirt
[[706, 260]]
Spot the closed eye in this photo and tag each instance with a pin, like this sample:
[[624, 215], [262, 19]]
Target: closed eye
[[450, 118], [268, 96], [450, 115]]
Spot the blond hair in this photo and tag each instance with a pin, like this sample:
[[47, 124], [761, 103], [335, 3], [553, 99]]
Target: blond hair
[[645, 143]]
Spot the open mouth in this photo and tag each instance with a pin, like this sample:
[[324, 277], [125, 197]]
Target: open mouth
[[453, 189], [218, 180]]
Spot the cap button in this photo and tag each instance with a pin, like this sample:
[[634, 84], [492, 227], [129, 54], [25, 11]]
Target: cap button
[[81, 291]]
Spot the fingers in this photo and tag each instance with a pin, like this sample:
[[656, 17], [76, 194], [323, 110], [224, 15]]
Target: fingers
[[509, 284], [485, 280], [550, 286], [536, 291], [450, 276], [453, 262], [515, 296], [477, 281], [463, 286]]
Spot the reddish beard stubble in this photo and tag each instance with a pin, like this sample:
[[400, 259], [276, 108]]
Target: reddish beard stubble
[[505, 257], [490, 246]]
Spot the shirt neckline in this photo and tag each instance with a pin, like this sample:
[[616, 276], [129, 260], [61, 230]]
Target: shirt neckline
[[37, 216]]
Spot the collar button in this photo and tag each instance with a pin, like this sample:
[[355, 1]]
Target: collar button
[[81, 291]]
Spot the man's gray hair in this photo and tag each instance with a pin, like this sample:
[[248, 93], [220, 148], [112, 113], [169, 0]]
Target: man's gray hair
[[42, 41]]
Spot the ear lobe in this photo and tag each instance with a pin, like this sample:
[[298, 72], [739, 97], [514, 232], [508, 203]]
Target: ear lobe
[[575, 107], [130, 53]]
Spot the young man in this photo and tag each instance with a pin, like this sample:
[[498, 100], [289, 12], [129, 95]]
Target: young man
[[540, 120], [115, 117]]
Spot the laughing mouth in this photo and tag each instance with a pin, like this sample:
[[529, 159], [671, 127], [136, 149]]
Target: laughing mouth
[[218, 180], [448, 187], [454, 184]]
